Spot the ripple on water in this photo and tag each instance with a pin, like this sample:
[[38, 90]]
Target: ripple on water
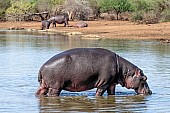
[[23, 53]]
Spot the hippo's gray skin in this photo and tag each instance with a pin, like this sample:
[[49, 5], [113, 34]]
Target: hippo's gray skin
[[81, 24], [83, 69], [45, 24], [59, 19]]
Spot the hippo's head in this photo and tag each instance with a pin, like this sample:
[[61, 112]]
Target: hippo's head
[[138, 83]]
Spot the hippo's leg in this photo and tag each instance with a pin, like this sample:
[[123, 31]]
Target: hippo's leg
[[65, 24], [42, 27], [48, 25], [54, 23], [101, 89], [52, 92], [100, 92], [42, 90], [55, 90], [111, 89]]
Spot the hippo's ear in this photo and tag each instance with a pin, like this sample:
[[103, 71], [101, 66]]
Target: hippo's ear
[[144, 78]]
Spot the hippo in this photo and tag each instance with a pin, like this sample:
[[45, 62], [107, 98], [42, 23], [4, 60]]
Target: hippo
[[81, 24], [59, 19], [45, 24], [81, 69]]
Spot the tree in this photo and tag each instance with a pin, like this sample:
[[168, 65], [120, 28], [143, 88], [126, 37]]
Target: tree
[[77, 9], [140, 7], [94, 4], [21, 7], [51, 6], [4, 4], [151, 10], [18, 9], [162, 9], [118, 6]]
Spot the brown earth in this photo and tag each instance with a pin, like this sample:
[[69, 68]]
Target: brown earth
[[104, 29]]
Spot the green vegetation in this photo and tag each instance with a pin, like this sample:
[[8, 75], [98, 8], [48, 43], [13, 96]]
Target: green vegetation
[[48, 5], [134, 10], [21, 7], [150, 9], [118, 6], [4, 5]]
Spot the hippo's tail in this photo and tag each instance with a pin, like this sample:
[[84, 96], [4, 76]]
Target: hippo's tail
[[39, 77]]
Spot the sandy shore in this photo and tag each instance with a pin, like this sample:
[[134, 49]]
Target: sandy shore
[[104, 29]]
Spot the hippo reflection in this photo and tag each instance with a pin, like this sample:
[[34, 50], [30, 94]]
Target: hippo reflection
[[83, 69], [100, 104]]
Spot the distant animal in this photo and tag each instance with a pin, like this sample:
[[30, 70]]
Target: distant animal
[[45, 24], [60, 19], [83, 69], [81, 24]]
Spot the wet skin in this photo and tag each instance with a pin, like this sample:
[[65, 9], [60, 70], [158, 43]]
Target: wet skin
[[83, 69]]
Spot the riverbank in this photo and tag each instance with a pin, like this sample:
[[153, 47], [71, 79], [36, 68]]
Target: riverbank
[[103, 29]]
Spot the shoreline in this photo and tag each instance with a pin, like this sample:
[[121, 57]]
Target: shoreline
[[101, 29]]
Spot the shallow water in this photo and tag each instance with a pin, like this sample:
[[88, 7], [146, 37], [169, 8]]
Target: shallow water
[[22, 54]]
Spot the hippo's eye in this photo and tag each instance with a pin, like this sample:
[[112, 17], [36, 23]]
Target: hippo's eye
[[136, 79]]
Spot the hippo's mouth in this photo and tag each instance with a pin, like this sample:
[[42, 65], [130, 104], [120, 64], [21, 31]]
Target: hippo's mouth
[[143, 92], [139, 92]]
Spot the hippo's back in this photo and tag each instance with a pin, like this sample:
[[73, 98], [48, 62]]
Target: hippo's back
[[84, 52], [77, 62], [87, 51]]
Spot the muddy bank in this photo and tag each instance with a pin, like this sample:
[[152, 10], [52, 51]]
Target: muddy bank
[[102, 29]]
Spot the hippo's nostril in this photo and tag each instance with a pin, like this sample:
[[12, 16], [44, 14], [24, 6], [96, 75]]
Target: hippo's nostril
[[150, 92], [147, 92]]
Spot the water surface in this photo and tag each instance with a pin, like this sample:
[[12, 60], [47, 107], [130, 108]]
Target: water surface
[[22, 54]]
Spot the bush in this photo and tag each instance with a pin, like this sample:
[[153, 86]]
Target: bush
[[136, 16], [118, 6], [163, 8], [79, 10], [86, 9], [51, 6], [4, 4], [166, 16], [151, 11], [140, 8], [18, 9]]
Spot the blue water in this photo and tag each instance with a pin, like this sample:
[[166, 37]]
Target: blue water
[[22, 54]]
